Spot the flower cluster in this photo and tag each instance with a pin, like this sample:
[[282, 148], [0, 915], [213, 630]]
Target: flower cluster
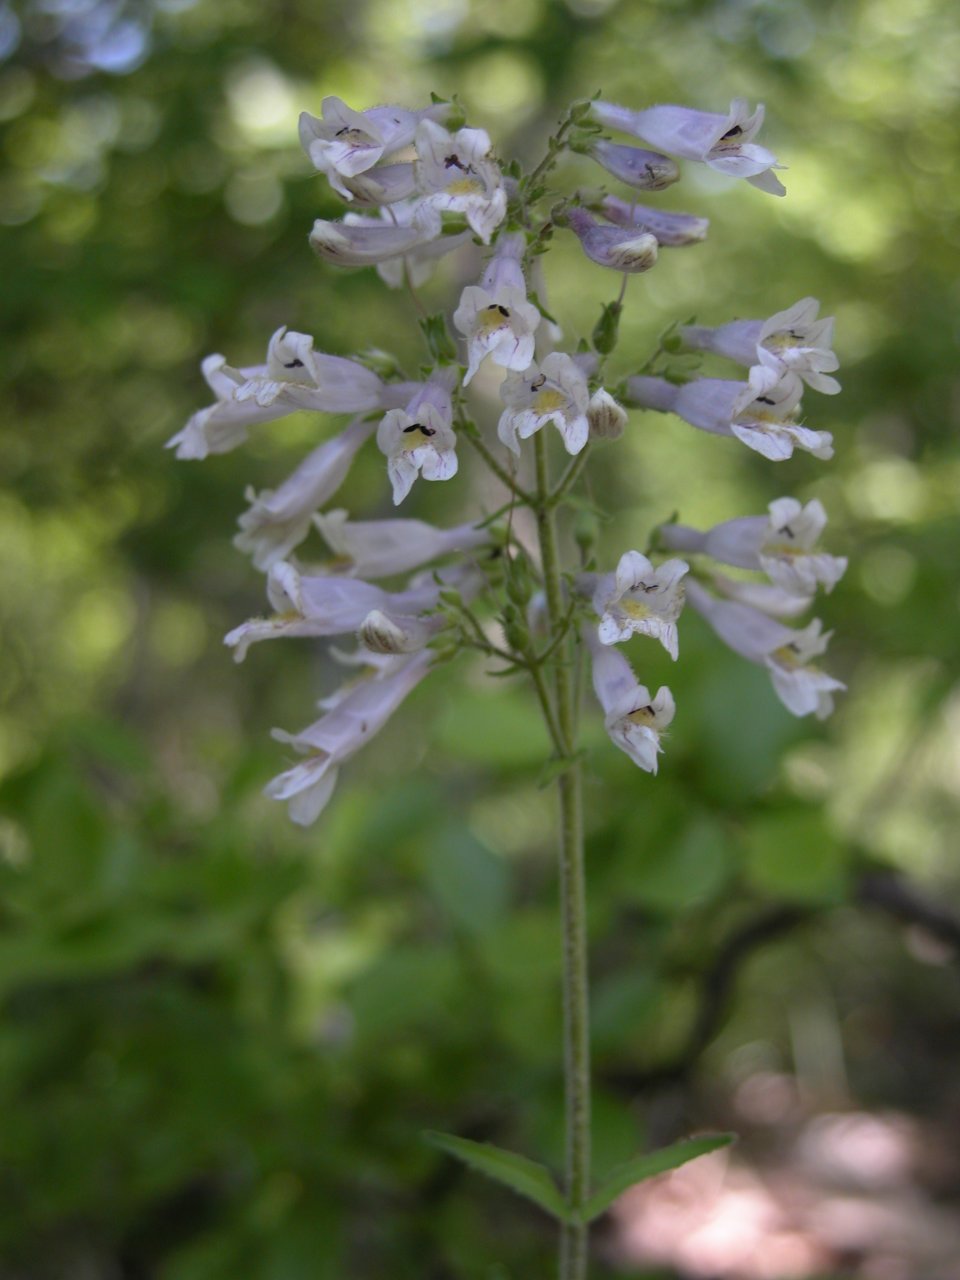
[[419, 186]]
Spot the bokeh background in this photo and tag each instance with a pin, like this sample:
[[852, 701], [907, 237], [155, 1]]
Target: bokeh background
[[221, 1036]]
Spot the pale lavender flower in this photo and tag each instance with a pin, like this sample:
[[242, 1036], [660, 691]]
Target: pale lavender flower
[[455, 172], [639, 599], [349, 725], [420, 440], [387, 184], [495, 317], [802, 686], [725, 143], [758, 414], [792, 341], [364, 242], [782, 545], [295, 377], [345, 143], [633, 718], [417, 264], [614, 247], [380, 548], [554, 391], [279, 519], [315, 605], [644, 170], [670, 229]]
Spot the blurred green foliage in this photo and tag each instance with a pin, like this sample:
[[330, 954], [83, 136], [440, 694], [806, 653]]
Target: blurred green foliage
[[221, 1036]]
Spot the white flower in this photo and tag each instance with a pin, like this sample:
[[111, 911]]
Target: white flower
[[365, 242], [633, 719], [379, 548], [671, 229], [349, 725], [725, 143], [313, 605], [295, 377], [495, 317], [554, 391], [278, 520], [457, 175], [781, 544], [765, 596], [792, 341], [801, 686], [645, 170], [386, 184], [640, 600], [417, 263], [304, 379], [345, 143], [614, 247], [420, 440], [756, 412]]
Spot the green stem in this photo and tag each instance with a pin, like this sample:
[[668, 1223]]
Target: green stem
[[570, 476], [573, 905], [500, 472]]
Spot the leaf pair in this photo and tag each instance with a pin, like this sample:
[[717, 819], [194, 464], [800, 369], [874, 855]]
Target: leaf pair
[[535, 1182]]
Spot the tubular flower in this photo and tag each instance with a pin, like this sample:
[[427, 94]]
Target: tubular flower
[[781, 544], [417, 264], [365, 242], [420, 440], [725, 143], [801, 685], [792, 341], [345, 143], [613, 247], [554, 391], [294, 377], [455, 172], [495, 317], [278, 520], [671, 230], [380, 548], [633, 719], [307, 605], [349, 725], [644, 170], [386, 184], [758, 414], [640, 600]]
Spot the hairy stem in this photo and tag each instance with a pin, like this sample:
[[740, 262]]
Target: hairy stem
[[576, 1023]]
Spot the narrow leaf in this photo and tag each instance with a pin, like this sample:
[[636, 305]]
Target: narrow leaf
[[643, 1167], [525, 1177]]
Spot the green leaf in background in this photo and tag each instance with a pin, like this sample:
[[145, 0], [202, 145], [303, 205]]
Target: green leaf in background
[[792, 855], [467, 879], [648, 1167], [525, 1177]]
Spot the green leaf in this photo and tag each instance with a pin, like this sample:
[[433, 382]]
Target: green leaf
[[649, 1166], [525, 1177]]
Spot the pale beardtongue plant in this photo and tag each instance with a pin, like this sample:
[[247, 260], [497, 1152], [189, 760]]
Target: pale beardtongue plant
[[420, 186]]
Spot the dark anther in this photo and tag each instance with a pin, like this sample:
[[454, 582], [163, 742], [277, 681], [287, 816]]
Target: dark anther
[[418, 426], [535, 386], [788, 531], [765, 400], [735, 132], [341, 132], [294, 364], [504, 311], [452, 162]]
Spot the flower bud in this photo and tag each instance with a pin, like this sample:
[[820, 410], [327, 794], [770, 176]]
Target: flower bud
[[623, 250], [644, 170], [607, 419]]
